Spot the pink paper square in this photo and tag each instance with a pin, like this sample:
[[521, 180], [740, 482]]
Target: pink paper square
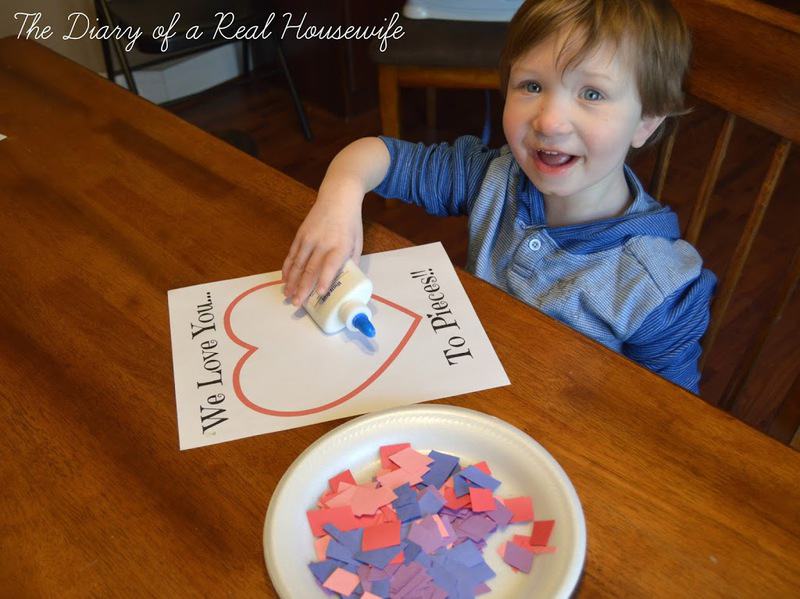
[[368, 500], [481, 499], [321, 547], [343, 497], [521, 507], [380, 536], [399, 477], [411, 460], [345, 476], [341, 581], [541, 532], [388, 450], [341, 517], [453, 502]]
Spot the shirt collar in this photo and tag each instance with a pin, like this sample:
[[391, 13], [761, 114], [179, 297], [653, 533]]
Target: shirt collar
[[644, 216]]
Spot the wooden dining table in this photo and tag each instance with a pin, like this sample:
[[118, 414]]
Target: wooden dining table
[[108, 201]]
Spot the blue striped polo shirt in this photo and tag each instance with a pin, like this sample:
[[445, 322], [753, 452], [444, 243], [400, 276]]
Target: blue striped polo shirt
[[629, 282]]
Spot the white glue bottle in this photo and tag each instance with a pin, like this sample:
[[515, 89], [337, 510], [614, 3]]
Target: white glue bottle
[[344, 304]]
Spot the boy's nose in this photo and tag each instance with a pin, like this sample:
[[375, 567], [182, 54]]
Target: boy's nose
[[552, 118]]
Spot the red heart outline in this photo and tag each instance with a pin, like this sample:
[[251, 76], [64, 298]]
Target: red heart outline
[[251, 349]]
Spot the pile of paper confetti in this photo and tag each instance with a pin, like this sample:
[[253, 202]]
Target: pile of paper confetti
[[418, 529]]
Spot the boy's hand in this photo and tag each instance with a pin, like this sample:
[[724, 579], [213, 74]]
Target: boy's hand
[[330, 234]]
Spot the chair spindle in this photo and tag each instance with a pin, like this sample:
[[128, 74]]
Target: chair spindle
[[743, 372], [662, 162], [742, 252], [710, 180]]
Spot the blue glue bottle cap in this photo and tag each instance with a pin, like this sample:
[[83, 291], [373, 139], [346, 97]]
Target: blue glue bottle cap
[[363, 324]]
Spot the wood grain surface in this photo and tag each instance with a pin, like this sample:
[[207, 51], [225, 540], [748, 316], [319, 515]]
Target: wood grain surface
[[107, 202]]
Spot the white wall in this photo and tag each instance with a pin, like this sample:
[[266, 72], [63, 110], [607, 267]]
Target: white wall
[[54, 13]]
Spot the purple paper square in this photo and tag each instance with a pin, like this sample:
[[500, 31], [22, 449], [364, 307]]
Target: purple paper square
[[466, 553], [405, 492], [460, 485], [391, 569], [477, 527], [480, 478], [322, 570], [350, 539], [438, 593], [381, 587], [407, 513], [444, 579], [440, 470], [376, 574], [481, 572], [430, 502], [424, 560], [408, 578], [410, 550], [520, 558], [501, 514], [425, 533], [337, 551]]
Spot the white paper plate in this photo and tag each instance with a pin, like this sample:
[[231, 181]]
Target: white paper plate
[[522, 465]]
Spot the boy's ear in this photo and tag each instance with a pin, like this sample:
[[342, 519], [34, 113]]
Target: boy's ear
[[645, 129]]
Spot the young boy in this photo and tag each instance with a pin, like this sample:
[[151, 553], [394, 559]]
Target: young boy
[[556, 218]]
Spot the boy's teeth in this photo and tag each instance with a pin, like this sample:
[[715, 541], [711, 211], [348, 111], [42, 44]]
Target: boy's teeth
[[554, 158]]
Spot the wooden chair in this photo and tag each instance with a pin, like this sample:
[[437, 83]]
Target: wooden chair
[[744, 61]]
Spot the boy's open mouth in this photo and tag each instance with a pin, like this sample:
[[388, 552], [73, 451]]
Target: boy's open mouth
[[553, 158]]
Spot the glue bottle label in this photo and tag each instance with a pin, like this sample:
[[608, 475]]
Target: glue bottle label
[[343, 302]]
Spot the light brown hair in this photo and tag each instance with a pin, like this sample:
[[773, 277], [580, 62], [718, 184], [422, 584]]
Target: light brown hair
[[651, 32]]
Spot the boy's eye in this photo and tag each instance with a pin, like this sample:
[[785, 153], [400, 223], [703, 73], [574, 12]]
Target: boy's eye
[[532, 87], [592, 95]]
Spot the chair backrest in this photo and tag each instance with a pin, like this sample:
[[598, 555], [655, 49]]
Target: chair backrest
[[745, 61]]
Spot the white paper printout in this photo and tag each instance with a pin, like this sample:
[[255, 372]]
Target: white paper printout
[[247, 362]]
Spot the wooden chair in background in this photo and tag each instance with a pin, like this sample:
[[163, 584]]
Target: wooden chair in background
[[436, 54], [745, 57], [744, 61]]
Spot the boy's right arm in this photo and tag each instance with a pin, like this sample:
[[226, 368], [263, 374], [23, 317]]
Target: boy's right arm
[[332, 231]]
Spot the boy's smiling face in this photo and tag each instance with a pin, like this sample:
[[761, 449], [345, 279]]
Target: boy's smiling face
[[570, 131]]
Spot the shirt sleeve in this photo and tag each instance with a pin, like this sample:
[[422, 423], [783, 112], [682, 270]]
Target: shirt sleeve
[[441, 178], [668, 341]]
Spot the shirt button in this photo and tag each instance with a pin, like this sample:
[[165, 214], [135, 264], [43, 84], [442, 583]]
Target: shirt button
[[534, 244]]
